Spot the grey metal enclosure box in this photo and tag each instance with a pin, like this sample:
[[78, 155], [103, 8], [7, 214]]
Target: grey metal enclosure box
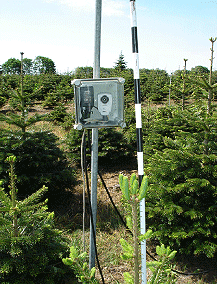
[[99, 102]]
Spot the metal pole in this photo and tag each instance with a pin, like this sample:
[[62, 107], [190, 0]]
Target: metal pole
[[138, 130], [94, 146]]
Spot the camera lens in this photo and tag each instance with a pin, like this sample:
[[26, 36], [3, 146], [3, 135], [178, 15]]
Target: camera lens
[[104, 99]]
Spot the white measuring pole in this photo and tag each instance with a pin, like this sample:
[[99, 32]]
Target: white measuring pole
[[138, 111], [94, 146]]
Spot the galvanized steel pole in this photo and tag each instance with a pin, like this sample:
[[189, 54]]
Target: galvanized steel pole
[[138, 111], [94, 146]]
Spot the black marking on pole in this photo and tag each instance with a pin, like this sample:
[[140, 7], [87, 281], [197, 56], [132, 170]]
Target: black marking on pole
[[137, 91], [139, 140], [140, 179], [134, 40]]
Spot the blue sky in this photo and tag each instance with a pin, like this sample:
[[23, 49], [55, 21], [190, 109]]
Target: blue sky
[[63, 30]]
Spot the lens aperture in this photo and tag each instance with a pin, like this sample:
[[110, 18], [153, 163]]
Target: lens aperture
[[104, 99]]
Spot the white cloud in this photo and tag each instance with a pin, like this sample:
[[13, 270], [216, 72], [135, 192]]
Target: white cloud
[[113, 8], [109, 7]]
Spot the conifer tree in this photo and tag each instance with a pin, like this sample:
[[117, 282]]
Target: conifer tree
[[30, 246], [205, 85], [21, 103], [120, 65], [183, 88], [182, 171]]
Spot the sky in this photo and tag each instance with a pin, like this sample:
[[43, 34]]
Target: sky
[[63, 30]]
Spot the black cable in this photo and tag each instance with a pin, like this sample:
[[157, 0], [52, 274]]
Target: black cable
[[115, 207], [90, 207], [148, 253]]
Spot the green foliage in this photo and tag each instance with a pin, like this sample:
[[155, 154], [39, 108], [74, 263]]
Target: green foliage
[[200, 70], [112, 144], [3, 100], [40, 65], [39, 161], [59, 114], [20, 101], [133, 195], [162, 269], [38, 87], [44, 65], [21, 119], [128, 250], [131, 190], [30, 246], [78, 263], [120, 65], [53, 88], [12, 66], [128, 278], [168, 122], [59, 92], [7, 84], [143, 188], [152, 84], [84, 72], [51, 100], [27, 66], [46, 84], [181, 204]]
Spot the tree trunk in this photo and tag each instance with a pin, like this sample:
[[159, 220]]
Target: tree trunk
[[210, 77]]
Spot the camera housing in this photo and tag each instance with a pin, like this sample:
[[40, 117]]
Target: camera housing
[[99, 102], [104, 103]]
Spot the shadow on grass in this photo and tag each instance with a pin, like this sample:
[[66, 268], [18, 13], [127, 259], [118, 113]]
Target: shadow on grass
[[68, 208], [193, 264]]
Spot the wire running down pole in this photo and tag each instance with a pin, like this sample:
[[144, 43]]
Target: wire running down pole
[[138, 114]]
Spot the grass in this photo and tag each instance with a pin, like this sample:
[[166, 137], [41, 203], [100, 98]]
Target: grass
[[109, 251]]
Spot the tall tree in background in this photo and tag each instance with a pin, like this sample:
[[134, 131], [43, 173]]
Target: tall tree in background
[[199, 70], [27, 66], [12, 66], [120, 65], [44, 65]]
